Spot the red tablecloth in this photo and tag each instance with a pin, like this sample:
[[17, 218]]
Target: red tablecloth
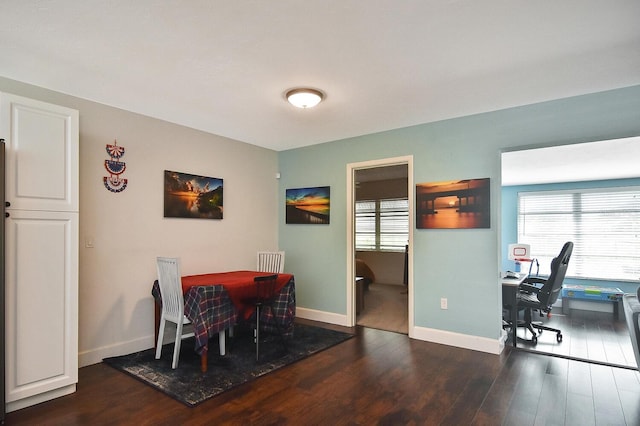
[[239, 285], [213, 301]]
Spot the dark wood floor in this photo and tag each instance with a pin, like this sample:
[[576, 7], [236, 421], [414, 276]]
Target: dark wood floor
[[378, 377], [594, 336]]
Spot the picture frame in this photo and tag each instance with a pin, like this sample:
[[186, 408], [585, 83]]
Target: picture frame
[[310, 206], [458, 204], [192, 196]]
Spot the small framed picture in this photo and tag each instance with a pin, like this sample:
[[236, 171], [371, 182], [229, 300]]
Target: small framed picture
[[308, 205], [192, 196]]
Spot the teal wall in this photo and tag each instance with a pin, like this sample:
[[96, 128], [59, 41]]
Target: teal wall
[[462, 265], [510, 224]]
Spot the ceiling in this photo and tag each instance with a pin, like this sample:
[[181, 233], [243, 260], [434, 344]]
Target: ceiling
[[601, 160], [223, 66]]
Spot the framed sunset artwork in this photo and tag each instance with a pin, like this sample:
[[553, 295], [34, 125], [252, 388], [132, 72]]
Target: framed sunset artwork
[[192, 196], [456, 204], [308, 205]]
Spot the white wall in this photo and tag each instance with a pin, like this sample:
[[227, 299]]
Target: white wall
[[128, 229]]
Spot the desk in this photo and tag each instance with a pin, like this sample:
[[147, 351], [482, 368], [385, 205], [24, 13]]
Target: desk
[[213, 303], [509, 297]]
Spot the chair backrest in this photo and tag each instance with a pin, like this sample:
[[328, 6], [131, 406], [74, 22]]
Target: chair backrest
[[170, 282], [271, 261], [265, 287], [551, 289]]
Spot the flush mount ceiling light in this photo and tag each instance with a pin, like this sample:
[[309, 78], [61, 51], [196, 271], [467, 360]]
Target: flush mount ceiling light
[[304, 98]]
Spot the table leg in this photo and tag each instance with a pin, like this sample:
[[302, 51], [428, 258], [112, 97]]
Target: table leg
[[514, 316], [203, 362], [509, 298], [223, 350]]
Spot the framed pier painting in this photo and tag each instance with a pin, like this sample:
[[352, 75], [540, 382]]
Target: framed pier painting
[[308, 205], [453, 204]]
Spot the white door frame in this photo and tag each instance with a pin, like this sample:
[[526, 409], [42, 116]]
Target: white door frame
[[350, 285]]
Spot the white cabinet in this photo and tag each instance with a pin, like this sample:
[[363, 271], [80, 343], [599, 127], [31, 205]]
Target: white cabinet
[[41, 250]]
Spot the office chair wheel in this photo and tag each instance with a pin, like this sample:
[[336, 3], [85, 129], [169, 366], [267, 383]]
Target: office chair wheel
[[534, 339], [559, 337]]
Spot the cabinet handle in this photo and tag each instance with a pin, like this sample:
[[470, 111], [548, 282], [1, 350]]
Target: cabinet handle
[[6, 214], [7, 204]]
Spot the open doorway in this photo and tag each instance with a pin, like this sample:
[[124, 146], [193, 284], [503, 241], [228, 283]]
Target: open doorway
[[381, 220], [584, 174]]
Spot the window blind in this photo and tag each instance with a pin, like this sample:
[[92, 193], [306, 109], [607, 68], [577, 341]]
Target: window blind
[[394, 224], [382, 225], [365, 225], [603, 223]]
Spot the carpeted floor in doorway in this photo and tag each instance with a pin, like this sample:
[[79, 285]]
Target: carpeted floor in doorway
[[190, 386]]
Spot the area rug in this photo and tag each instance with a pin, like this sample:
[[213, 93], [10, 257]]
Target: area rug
[[189, 385]]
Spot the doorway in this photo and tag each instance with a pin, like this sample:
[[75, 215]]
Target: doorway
[[591, 331], [380, 219]]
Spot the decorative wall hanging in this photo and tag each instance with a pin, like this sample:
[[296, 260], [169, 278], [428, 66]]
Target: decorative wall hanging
[[114, 182], [192, 196], [453, 204], [308, 205]]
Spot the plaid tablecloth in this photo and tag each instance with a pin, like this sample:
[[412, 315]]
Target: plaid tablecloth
[[284, 311], [211, 310]]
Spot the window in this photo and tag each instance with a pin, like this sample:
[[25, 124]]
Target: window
[[382, 225], [603, 223]]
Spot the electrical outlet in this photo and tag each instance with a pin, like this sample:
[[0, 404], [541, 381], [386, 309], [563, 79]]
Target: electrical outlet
[[443, 303]]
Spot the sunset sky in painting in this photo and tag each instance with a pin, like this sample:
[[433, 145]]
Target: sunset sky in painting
[[312, 199], [308, 196]]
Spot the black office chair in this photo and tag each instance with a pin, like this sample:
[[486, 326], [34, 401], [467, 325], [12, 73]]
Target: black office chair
[[537, 294], [265, 298]]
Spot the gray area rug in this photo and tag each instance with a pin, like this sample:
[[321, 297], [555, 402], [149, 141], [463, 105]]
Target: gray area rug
[[190, 386]]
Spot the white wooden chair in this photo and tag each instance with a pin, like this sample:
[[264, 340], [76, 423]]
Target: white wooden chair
[[170, 281], [271, 261]]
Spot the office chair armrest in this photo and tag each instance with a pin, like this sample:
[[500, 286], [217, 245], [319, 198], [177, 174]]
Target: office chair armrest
[[534, 281], [529, 285]]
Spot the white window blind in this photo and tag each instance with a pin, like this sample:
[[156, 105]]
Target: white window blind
[[603, 223], [382, 225], [366, 225]]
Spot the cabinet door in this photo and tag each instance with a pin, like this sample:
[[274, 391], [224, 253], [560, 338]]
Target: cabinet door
[[41, 303], [41, 154]]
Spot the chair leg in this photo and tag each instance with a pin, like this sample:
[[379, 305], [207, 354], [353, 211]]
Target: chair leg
[[528, 322], [257, 333], [280, 333], [160, 337], [176, 346], [222, 342]]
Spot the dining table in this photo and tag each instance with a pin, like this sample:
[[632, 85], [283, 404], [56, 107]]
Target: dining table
[[215, 302]]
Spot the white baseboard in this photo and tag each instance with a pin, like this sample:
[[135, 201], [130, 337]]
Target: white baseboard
[[328, 317], [588, 305], [95, 356], [481, 344], [476, 343]]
